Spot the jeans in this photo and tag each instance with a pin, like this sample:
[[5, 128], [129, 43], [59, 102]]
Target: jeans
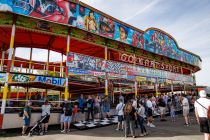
[[141, 124], [129, 125]]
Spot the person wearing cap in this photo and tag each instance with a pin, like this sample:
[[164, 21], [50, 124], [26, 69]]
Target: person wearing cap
[[201, 108], [26, 117]]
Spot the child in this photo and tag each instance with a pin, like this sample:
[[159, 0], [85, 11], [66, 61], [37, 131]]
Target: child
[[172, 112], [75, 113]]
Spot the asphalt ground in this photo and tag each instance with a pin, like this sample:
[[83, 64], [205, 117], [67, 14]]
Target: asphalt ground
[[163, 131]]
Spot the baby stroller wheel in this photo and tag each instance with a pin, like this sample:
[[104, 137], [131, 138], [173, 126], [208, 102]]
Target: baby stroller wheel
[[29, 134]]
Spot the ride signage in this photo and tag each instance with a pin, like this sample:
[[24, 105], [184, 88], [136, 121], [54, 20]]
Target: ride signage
[[129, 58]]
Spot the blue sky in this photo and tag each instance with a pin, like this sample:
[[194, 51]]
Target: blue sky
[[188, 21]]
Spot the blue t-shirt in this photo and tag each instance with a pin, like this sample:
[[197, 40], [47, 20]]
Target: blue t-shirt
[[81, 102]]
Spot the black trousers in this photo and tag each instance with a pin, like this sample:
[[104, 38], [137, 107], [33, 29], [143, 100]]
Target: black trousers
[[90, 112]]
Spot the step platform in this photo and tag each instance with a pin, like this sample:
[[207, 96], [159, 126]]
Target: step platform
[[84, 125]]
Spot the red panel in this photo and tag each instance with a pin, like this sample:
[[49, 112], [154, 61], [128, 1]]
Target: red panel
[[1, 120]]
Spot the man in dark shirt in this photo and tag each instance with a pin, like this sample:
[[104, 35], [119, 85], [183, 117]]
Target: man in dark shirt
[[162, 107], [67, 116], [90, 108]]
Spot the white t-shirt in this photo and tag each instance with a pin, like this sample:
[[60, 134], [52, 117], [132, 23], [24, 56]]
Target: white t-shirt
[[185, 103], [134, 104], [149, 104], [141, 112], [202, 112], [119, 108], [46, 109]]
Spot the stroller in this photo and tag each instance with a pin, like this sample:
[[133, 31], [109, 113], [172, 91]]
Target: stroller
[[37, 128]]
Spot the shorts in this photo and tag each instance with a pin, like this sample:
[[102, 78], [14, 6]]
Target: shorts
[[97, 109], [172, 114], [186, 112], [120, 118], [162, 110], [67, 119], [26, 121], [46, 120], [204, 125], [62, 118], [149, 112]]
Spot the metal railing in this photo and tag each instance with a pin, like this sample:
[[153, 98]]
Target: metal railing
[[22, 66]]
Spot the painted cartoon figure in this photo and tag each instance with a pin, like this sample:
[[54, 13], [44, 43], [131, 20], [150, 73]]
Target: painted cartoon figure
[[138, 40], [106, 27], [123, 33], [90, 22]]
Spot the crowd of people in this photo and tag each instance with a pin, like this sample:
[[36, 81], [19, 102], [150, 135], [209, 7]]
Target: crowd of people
[[132, 112]]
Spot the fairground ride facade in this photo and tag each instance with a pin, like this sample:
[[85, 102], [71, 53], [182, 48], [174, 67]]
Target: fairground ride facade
[[103, 55]]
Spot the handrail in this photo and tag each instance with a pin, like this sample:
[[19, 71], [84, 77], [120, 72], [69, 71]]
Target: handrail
[[41, 68]]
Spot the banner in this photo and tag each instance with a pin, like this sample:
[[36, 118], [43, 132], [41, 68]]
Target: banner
[[32, 78], [74, 14], [82, 64]]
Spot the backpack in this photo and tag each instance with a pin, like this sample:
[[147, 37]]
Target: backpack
[[127, 109], [208, 110]]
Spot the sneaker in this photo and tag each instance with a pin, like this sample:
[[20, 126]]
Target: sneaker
[[117, 129], [69, 130], [148, 124], [63, 131], [152, 125]]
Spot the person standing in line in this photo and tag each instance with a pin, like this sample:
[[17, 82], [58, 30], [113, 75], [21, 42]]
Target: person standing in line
[[106, 106], [26, 117], [68, 111], [172, 112], [135, 104], [130, 117], [202, 106], [120, 114], [75, 113], [62, 116], [141, 118], [90, 106], [97, 107], [149, 113], [162, 107], [81, 102], [186, 109], [45, 113]]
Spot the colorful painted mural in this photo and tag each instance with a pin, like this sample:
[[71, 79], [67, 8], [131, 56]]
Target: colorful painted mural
[[69, 13]]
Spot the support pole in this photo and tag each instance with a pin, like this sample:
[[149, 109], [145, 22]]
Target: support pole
[[66, 94], [30, 59], [172, 87], [106, 80], [136, 88], [61, 66], [5, 90], [13, 60], [48, 60]]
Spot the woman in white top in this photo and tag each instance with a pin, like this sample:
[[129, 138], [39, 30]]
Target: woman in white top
[[45, 113], [141, 117], [201, 113]]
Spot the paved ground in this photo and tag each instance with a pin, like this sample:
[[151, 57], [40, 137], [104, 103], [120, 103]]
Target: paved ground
[[163, 131]]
